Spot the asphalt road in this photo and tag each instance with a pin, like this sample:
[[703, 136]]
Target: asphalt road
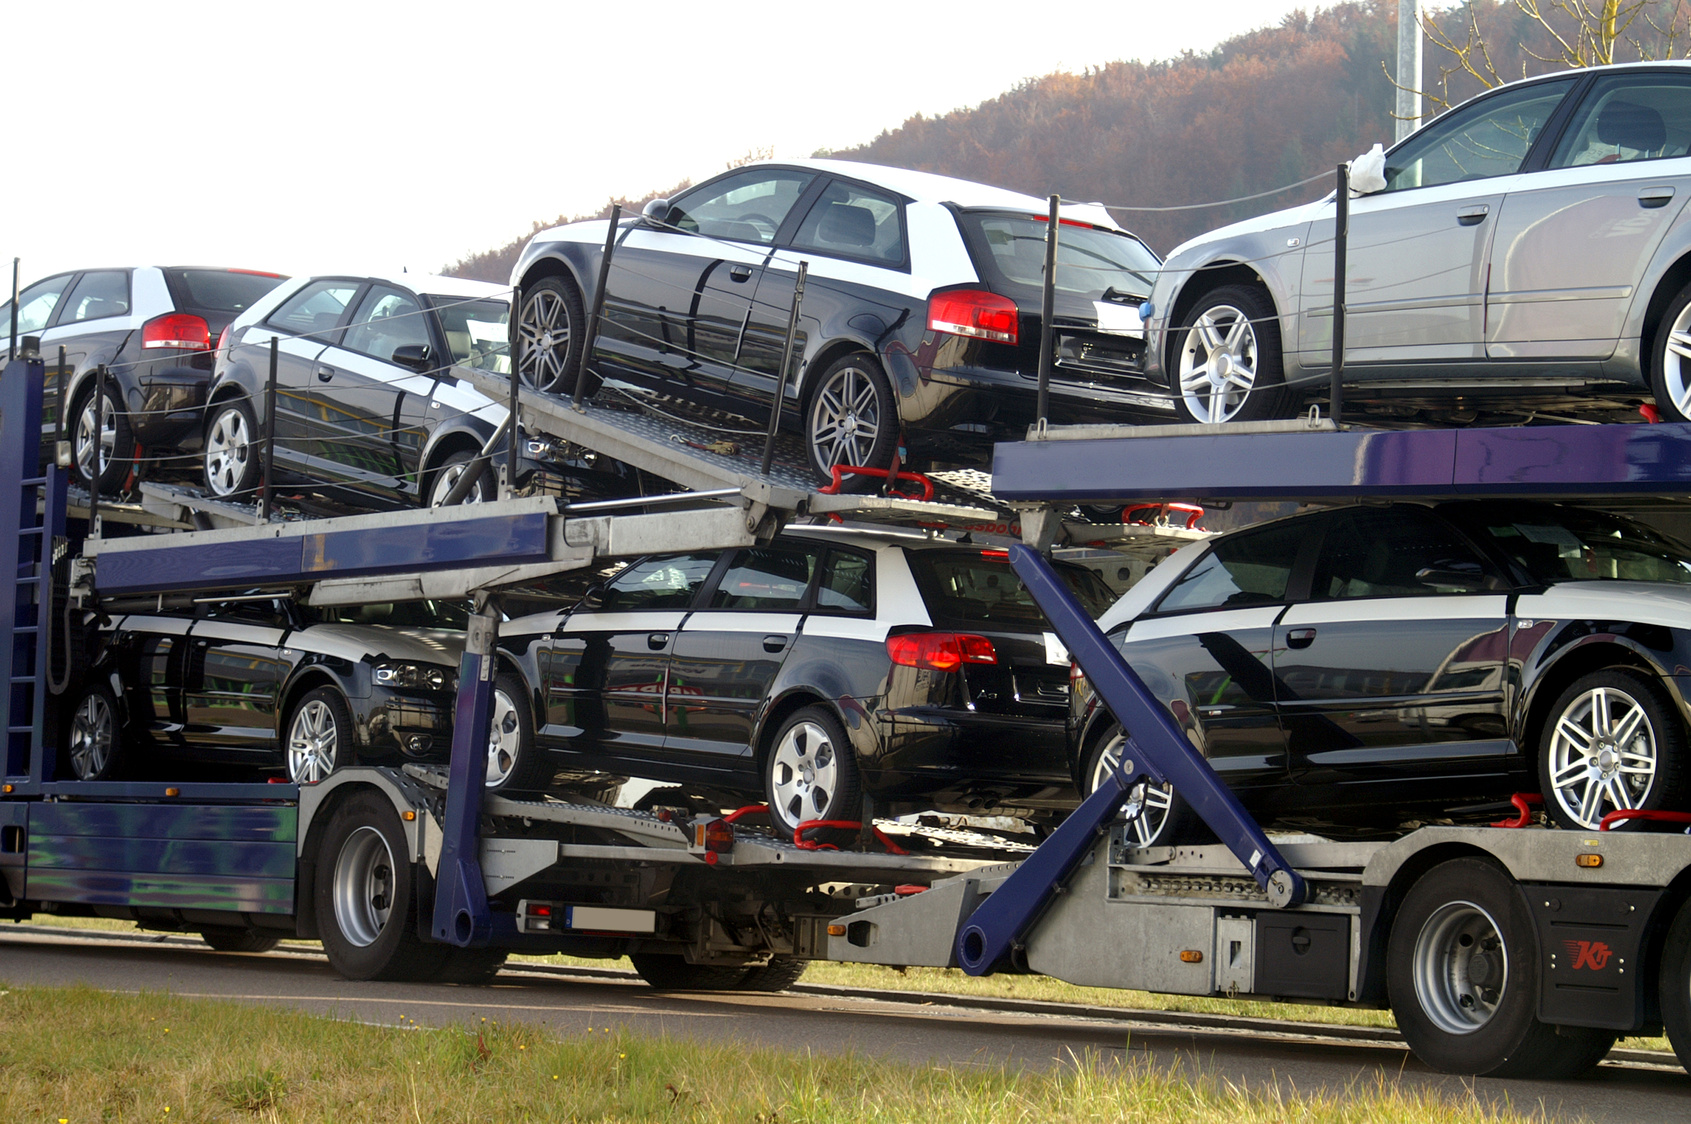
[[1628, 1092]]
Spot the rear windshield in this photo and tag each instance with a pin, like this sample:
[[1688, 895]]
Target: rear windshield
[[979, 587], [1009, 250], [476, 332], [219, 290]]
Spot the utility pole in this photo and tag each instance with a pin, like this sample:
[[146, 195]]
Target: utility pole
[[1408, 66]]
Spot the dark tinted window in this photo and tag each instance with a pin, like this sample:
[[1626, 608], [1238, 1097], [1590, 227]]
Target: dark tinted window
[[1477, 141], [267, 612], [218, 290], [1248, 569], [101, 293], [1377, 552], [1009, 249], [406, 614], [1559, 544], [766, 577], [387, 319], [854, 222], [746, 207], [847, 583], [314, 309], [659, 583], [979, 587]]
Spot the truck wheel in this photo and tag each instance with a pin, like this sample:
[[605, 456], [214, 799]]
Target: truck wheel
[[1166, 819], [366, 912], [96, 736], [549, 335], [116, 442], [231, 458], [319, 737], [1227, 363], [668, 971], [1612, 742], [1674, 986], [471, 966], [236, 939], [779, 974], [810, 774], [514, 764], [1462, 965]]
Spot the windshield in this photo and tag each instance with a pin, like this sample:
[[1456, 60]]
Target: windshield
[[1092, 262], [1561, 544], [476, 332]]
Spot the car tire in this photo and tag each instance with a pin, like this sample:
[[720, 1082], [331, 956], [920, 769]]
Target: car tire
[[319, 736], [514, 763], [236, 939], [117, 441], [231, 458], [365, 896], [96, 748], [1227, 364], [1462, 968], [1602, 722], [668, 971], [1670, 360], [1165, 819], [810, 773], [550, 330], [444, 475], [1674, 985], [851, 417], [779, 974]]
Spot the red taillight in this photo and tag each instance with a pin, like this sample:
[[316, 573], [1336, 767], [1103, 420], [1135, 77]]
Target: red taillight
[[940, 651], [177, 329], [223, 340], [975, 313]]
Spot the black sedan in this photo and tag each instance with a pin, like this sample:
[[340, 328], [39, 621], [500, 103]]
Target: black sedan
[[267, 685], [830, 667], [1365, 667]]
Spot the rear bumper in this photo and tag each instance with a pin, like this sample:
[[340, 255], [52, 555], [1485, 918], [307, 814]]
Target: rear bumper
[[171, 406], [966, 761]]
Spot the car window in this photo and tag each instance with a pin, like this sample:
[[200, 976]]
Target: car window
[[964, 587], [1629, 117], [454, 615], [266, 612], [766, 577], [1475, 142], [98, 294], [1558, 544], [847, 583], [476, 332], [317, 308], [747, 207], [35, 305], [1254, 568], [854, 222], [1377, 552], [1010, 248], [670, 582], [219, 290], [387, 320]]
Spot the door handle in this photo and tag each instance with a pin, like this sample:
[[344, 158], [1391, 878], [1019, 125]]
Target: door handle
[[1472, 216], [1300, 638], [324, 374], [774, 643], [1653, 197], [657, 640], [740, 272]]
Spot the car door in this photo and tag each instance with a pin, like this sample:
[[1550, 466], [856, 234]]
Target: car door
[[303, 326], [1415, 275], [1574, 240], [1204, 650], [233, 670], [606, 669], [152, 651], [681, 291], [729, 651], [1391, 673]]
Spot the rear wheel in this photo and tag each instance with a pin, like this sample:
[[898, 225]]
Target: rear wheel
[[1612, 742], [851, 418], [671, 972], [1674, 985], [1164, 819], [366, 910], [236, 939], [1462, 966], [779, 974], [231, 456], [549, 335], [1670, 360], [445, 477], [810, 774], [471, 965], [116, 444], [513, 762], [319, 738], [1227, 363], [96, 736]]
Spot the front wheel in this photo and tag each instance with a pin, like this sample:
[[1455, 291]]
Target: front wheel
[[1670, 360], [513, 763], [1612, 742], [810, 774], [1164, 818], [319, 738], [851, 419], [1462, 966], [236, 939], [96, 736], [1674, 987], [444, 478], [1228, 363], [366, 911], [231, 457], [670, 972], [549, 335], [114, 447]]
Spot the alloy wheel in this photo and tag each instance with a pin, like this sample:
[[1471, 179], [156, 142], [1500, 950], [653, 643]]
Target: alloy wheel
[[845, 418], [544, 330], [1676, 363], [504, 742], [1603, 755], [93, 734], [85, 436], [805, 773], [1147, 805], [312, 741], [227, 450], [1218, 364]]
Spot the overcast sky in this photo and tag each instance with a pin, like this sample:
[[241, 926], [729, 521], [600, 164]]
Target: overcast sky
[[313, 136]]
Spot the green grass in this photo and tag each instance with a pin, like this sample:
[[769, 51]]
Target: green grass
[[74, 1055]]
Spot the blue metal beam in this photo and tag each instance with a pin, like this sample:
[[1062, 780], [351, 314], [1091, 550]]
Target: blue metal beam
[[1548, 460], [461, 914]]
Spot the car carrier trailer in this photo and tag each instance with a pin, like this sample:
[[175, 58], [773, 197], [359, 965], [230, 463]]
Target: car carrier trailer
[[1509, 951]]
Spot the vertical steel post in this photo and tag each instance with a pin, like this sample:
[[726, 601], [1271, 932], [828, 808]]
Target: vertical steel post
[[269, 436], [59, 403], [13, 353], [1408, 111], [516, 384], [461, 916], [1341, 235], [781, 375], [1047, 308], [95, 454], [592, 332]]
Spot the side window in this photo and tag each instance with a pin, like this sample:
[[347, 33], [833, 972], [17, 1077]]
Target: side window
[[386, 320], [35, 305], [98, 294], [314, 309], [267, 613], [659, 583], [1481, 141], [847, 584], [1378, 552], [767, 578], [748, 207], [854, 222], [1248, 569], [1629, 117]]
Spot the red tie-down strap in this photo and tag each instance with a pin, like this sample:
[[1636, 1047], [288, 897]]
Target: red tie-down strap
[[1621, 815], [804, 844], [1524, 803], [841, 471]]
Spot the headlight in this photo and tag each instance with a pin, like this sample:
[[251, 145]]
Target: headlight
[[416, 676]]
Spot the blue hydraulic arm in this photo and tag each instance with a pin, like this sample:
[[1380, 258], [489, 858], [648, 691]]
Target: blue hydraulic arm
[[461, 914], [1157, 751]]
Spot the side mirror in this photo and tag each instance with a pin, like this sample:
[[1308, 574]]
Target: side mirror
[[594, 597], [418, 357], [657, 211]]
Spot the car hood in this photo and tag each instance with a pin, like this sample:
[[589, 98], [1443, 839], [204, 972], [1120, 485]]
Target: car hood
[[1660, 603], [377, 642], [1274, 220]]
